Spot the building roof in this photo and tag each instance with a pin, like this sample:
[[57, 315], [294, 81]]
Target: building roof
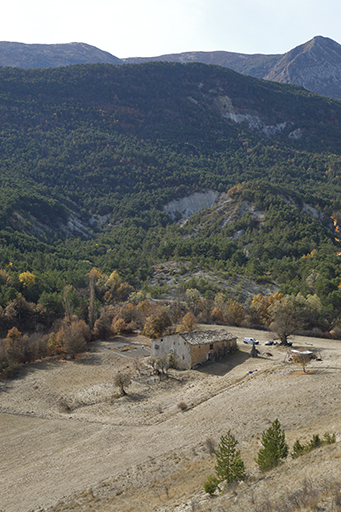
[[202, 337]]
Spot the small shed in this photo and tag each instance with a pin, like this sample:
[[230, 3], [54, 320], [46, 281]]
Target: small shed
[[191, 348]]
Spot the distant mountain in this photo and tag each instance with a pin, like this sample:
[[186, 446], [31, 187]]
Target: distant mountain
[[256, 65], [315, 65], [22, 55]]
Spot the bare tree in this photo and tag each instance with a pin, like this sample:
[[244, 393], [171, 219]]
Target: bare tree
[[302, 359], [286, 317]]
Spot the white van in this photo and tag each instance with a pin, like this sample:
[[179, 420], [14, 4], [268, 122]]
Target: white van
[[250, 341]]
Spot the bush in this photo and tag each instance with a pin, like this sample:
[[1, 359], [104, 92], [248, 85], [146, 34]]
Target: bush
[[182, 406], [274, 447], [211, 484], [122, 380], [315, 442]]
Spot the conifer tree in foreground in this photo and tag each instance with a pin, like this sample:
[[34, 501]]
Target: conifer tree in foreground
[[274, 447], [230, 466]]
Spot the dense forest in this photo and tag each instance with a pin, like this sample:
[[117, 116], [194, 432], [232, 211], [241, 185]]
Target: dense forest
[[91, 154]]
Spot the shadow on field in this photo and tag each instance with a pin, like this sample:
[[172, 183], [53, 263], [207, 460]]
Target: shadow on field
[[30, 368], [135, 397], [224, 365], [92, 358]]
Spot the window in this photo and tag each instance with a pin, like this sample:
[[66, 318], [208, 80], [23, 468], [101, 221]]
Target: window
[[211, 346]]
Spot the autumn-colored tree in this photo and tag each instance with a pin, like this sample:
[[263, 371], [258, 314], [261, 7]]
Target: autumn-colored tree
[[118, 326], [189, 321], [157, 324], [27, 279], [74, 336], [113, 281], [302, 359], [14, 344], [20, 312], [103, 324], [261, 305], [146, 307], [217, 315], [4, 277], [234, 313], [116, 289]]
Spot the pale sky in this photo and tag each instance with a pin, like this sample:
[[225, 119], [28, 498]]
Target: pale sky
[[136, 28]]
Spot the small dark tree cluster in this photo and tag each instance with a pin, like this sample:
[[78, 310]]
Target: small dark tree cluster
[[315, 442]]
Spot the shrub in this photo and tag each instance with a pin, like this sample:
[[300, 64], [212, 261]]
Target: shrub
[[211, 484], [315, 442], [182, 406], [274, 447], [122, 380], [210, 445]]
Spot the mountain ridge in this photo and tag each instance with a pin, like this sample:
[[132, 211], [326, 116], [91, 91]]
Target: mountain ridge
[[314, 65], [30, 56]]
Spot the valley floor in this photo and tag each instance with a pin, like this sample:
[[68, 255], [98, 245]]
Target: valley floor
[[69, 441]]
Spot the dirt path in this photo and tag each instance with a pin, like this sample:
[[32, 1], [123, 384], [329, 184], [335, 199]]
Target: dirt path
[[64, 428]]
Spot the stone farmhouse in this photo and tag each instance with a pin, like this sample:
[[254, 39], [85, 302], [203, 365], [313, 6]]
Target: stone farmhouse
[[191, 348]]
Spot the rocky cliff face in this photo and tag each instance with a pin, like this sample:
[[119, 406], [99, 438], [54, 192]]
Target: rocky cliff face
[[315, 65]]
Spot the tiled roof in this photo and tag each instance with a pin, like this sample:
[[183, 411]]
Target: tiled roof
[[202, 337]]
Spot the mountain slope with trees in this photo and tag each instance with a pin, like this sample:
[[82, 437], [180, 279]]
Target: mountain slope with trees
[[315, 65], [91, 155]]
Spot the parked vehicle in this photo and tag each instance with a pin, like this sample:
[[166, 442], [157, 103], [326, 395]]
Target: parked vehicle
[[270, 342], [250, 341]]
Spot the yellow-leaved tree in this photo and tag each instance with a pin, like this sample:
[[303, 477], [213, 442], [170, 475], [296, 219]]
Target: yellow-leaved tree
[[27, 279]]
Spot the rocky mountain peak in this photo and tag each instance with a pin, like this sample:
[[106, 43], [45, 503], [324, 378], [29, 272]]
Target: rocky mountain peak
[[315, 65]]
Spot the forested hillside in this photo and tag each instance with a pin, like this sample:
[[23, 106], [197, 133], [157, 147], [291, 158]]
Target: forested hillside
[[91, 154]]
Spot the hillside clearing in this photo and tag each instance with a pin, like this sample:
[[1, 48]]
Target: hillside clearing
[[69, 438]]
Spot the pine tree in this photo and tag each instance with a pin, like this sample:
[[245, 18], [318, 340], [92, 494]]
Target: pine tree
[[275, 447], [230, 466]]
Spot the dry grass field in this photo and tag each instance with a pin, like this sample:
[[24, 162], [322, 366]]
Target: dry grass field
[[69, 441]]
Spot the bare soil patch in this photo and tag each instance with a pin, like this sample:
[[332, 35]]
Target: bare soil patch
[[70, 441]]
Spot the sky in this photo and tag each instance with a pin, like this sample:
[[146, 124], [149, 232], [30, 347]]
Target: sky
[[136, 28]]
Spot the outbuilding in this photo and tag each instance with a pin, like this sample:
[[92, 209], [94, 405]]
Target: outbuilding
[[191, 348]]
